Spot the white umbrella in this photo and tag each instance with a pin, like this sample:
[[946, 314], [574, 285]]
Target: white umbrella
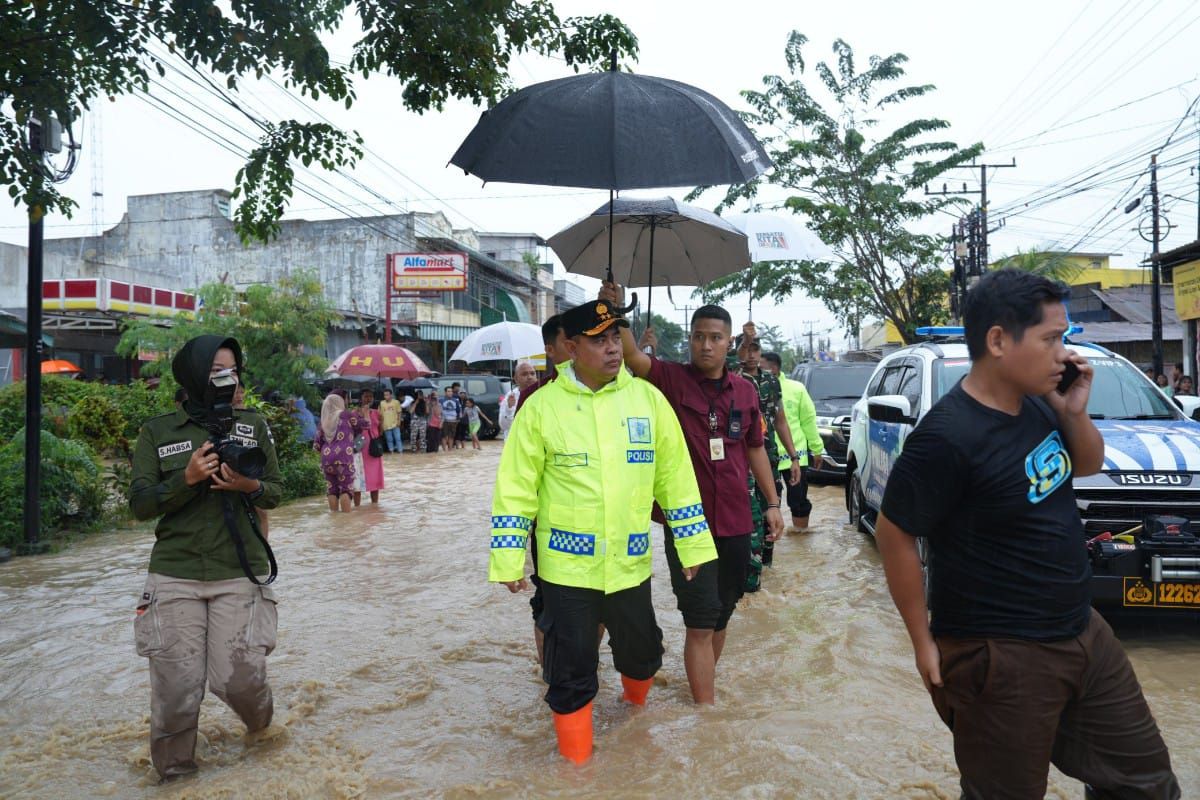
[[774, 237], [502, 341]]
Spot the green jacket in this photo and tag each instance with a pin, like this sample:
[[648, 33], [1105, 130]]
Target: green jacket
[[588, 467], [192, 540], [770, 398], [802, 419]]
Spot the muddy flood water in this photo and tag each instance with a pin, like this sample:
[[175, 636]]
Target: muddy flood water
[[401, 672]]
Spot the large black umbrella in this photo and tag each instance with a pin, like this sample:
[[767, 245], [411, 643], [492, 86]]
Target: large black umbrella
[[612, 130], [665, 242]]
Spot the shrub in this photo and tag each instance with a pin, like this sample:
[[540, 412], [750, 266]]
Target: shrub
[[98, 422], [302, 476], [58, 396], [139, 402], [299, 464], [72, 488]]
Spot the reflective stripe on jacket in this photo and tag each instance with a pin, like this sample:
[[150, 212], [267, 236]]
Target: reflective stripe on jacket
[[802, 419], [588, 466]]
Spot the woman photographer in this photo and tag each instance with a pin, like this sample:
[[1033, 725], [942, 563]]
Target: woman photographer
[[199, 616]]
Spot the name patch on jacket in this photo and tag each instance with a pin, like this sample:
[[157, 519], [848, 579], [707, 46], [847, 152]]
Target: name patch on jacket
[[243, 434], [174, 449], [570, 459], [639, 430], [639, 456]]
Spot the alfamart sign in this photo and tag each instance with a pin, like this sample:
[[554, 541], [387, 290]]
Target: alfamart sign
[[428, 272]]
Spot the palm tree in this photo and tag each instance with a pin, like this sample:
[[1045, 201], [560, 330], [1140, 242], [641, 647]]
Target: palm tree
[[1047, 263]]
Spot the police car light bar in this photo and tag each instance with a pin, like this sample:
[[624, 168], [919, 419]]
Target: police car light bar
[[951, 330]]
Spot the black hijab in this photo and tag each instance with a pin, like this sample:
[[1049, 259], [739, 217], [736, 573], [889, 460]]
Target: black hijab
[[192, 365]]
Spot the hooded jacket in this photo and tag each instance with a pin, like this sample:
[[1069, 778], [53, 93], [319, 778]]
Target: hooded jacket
[[192, 540], [588, 466]]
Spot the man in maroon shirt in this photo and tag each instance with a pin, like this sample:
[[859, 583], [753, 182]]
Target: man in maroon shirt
[[721, 421]]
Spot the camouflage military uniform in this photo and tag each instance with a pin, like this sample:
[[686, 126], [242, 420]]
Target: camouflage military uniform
[[770, 399]]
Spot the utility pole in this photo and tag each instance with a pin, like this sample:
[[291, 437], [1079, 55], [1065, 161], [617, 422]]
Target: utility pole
[[43, 138], [981, 260], [1155, 287]]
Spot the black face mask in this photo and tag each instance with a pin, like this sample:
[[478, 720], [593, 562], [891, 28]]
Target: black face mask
[[192, 365]]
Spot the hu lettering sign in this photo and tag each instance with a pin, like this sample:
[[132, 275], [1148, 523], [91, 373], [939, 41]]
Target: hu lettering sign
[[369, 361], [428, 272]]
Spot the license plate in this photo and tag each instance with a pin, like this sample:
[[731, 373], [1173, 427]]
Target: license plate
[[1141, 593]]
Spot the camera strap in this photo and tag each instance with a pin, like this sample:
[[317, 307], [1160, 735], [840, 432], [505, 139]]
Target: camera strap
[[240, 546]]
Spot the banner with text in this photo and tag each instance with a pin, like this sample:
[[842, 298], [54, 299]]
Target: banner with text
[[1186, 279]]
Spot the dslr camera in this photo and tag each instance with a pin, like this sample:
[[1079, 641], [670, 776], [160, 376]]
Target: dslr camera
[[218, 420]]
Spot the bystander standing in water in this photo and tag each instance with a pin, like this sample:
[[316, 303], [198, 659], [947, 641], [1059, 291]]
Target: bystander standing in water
[[1019, 666]]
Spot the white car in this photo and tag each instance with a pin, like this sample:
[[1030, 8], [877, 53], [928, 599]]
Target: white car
[[1151, 466]]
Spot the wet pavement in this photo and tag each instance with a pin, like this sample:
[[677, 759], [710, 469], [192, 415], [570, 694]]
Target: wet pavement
[[401, 673]]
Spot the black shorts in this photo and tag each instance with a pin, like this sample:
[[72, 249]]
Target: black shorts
[[707, 601], [797, 496], [461, 434], [571, 623]]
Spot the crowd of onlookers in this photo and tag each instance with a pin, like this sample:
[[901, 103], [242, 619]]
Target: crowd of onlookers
[[353, 435], [1176, 383]]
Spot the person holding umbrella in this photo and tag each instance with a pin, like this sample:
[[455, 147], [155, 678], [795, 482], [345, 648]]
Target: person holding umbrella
[[770, 402], [587, 457], [721, 422]]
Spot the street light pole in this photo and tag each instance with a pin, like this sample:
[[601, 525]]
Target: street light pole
[[33, 358]]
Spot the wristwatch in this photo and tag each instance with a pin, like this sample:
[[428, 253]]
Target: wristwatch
[[257, 493]]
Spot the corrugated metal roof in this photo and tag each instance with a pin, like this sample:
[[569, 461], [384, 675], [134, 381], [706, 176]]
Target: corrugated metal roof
[[438, 332], [1132, 303], [1112, 332]]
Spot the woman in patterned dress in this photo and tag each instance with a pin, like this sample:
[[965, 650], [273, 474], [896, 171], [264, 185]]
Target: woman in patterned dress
[[335, 443]]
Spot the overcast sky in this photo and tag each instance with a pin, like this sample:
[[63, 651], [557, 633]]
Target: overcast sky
[[1067, 88]]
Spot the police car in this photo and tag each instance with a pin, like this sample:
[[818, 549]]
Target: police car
[[1137, 513]]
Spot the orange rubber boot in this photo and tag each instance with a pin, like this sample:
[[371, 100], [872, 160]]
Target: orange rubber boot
[[575, 734], [636, 691]]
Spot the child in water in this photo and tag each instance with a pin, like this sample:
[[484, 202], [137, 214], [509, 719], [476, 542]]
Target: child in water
[[473, 413]]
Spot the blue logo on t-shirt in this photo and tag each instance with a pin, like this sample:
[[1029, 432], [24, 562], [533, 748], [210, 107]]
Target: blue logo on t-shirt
[[1048, 467]]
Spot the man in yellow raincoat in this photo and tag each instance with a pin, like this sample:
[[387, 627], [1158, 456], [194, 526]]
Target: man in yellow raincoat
[[586, 459]]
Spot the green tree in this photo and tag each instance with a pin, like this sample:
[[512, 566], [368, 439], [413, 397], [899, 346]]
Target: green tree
[[58, 57], [276, 325], [859, 188], [1047, 263], [672, 339]]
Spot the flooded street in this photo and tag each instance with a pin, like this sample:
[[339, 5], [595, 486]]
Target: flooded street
[[401, 673]]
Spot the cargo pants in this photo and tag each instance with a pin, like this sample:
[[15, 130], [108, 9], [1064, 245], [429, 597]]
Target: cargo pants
[[193, 631], [1015, 707]]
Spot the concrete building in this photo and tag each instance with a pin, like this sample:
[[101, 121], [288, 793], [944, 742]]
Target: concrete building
[[167, 245]]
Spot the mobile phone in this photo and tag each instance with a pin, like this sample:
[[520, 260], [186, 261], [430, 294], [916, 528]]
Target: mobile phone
[[1070, 373]]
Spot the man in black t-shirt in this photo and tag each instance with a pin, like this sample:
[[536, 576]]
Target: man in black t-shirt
[[1019, 667]]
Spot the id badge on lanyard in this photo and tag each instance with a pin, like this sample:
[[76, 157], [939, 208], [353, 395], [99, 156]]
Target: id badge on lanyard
[[716, 449]]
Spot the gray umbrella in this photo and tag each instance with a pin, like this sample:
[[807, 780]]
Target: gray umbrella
[[663, 242]]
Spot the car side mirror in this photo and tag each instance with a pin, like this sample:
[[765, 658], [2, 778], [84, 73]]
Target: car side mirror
[[892, 408]]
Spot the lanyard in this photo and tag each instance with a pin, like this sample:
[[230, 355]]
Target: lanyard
[[713, 420]]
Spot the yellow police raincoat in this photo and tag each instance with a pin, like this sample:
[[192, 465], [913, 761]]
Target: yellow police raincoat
[[588, 467]]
